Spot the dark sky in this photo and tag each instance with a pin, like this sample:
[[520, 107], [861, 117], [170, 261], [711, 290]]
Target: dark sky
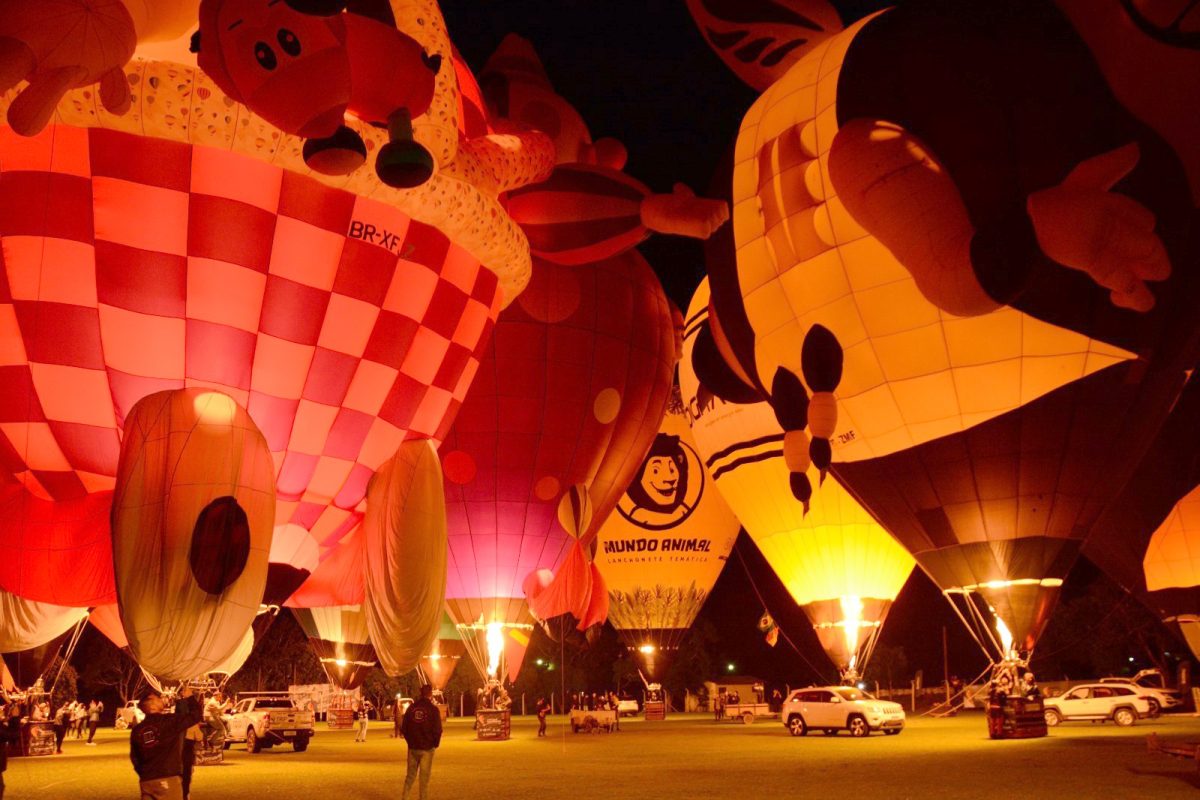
[[638, 71]]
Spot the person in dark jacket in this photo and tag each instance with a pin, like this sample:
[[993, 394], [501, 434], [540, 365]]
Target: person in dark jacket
[[543, 708], [10, 733], [156, 745], [423, 733], [62, 718]]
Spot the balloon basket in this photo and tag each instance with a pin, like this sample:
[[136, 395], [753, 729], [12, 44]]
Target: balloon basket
[[656, 710], [210, 753], [493, 725], [339, 718], [1016, 718]]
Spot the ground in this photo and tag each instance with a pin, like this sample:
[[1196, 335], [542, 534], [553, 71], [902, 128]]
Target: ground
[[688, 756]]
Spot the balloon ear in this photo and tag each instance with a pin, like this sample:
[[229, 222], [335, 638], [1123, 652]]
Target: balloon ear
[[194, 45]]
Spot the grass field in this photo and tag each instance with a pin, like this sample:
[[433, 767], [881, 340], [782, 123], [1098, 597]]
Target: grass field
[[688, 756]]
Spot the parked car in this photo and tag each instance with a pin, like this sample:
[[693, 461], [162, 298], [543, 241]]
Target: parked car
[[1150, 683], [129, 715], [627, 707], [265, 719], [1124, 705], [836, 708]]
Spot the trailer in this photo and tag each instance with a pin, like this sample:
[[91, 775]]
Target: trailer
[[746, 713], [593, 721]]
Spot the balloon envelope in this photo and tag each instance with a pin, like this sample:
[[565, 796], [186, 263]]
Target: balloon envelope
[[663, 548], [569, 393]]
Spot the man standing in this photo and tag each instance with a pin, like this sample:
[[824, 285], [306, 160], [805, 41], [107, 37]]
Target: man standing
[[94, 711], [361, 719], [62, 718], [543, 708], [10, 733], [423, 733], [156, 745]]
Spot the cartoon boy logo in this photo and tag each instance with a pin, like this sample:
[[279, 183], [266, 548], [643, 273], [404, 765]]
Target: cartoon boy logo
[[661, 495]]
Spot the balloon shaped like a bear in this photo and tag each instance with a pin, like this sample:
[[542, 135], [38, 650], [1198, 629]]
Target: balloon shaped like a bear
[[302, 66]]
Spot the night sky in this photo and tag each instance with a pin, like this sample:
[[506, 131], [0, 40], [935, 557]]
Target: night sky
[[639, 71]]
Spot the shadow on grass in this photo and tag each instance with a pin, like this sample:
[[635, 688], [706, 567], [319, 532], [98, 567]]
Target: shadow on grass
[[1190, 778]]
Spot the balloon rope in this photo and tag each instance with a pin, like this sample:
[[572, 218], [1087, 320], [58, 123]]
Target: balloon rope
[[69, 651], [971, 629], [786, 638]]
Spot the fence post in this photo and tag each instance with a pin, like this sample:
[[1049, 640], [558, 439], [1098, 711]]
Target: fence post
[[522, 704]]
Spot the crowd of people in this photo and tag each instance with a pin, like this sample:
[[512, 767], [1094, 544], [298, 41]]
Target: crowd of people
[[594, 701], [70, 719]]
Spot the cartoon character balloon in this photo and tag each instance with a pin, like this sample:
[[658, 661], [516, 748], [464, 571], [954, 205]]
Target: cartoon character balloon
[[663, 549], [965, 277], [185, 247], [304, 71]]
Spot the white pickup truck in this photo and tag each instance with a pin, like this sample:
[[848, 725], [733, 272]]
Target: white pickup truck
[[265, 719]]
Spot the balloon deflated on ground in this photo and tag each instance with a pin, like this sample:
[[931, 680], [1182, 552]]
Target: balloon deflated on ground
[[193, 512], [958, 340]]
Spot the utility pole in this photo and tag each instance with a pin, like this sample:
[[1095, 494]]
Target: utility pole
[[946, 664]]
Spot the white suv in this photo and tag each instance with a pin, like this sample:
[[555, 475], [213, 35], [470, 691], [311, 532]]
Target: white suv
[[1160, 699], [835, 708], [1098, 701]]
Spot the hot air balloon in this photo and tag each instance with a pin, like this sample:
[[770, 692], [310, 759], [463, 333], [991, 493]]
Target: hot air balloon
[[338, 636], [1138, 539], [836, 561], [662, 550], [570, 389], [438, 664], [32, 635], [184, 246], [1172, 568], [950, 322]]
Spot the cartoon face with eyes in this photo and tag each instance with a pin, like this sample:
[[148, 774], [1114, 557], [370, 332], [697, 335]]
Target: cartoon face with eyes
[[661, 485], [290, 68]]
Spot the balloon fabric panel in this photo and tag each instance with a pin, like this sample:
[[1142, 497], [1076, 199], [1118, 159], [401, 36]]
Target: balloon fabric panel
[[371, 337]]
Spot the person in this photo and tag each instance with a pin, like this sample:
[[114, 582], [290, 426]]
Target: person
[[397, 718], [192, 739], [93, 717], [156, 745], [776, 701], [214, 711], [543, 708], [361, 718], [78, 718], [423, 734], [62, 718], [10, 733]]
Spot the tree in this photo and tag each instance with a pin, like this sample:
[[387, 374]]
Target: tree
[[107, 667], [1103, 631], [63, 681], [281, 658], [888, 664]]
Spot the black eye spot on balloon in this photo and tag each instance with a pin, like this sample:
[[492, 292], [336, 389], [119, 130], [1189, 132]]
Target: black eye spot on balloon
[[289, 42], [266, 56], [220, 545]]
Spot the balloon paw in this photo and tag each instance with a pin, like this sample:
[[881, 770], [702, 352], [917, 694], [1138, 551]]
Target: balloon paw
[[404, 164], [339, 154], [434, 62]]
